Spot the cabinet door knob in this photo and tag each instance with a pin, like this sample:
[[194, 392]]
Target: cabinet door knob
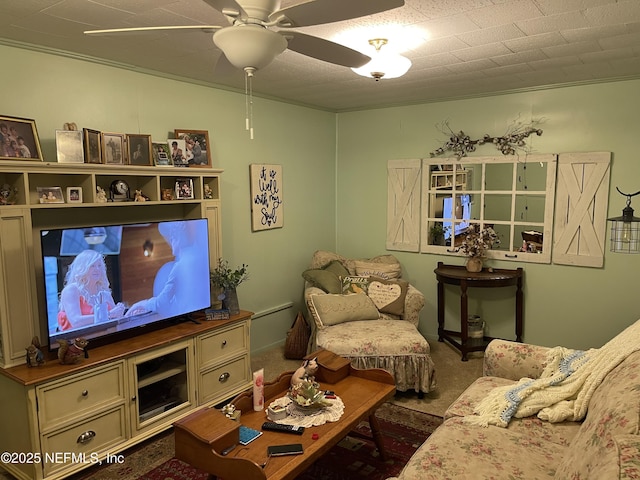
[[86, 436], [224, 343], [85, 393], [224, 377]]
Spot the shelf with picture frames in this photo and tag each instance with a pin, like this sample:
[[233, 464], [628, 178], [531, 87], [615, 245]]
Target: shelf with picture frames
[[71, 200]]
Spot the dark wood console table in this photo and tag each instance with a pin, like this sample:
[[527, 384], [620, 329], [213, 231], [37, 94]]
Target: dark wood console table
[[458, 275]]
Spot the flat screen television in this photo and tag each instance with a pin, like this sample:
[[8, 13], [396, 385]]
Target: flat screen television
[[462, 212], [101, 281]]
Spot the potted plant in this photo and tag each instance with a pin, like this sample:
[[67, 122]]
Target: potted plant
[[475, 243], [437, 232], [224, 282]]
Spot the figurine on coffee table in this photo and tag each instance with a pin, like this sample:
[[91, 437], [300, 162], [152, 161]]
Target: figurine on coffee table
[[306, 372]]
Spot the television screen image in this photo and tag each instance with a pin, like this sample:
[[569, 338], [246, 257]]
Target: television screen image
[[461, 212], [102, 280]]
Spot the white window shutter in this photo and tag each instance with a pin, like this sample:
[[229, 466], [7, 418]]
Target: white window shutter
[[403, 205], [582, 197]]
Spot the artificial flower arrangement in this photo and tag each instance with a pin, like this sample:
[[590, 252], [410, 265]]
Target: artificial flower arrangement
[[227, 279], [476, 242]]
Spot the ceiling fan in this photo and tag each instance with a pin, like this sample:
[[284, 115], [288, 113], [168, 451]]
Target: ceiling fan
[[254, 39], [251, 42]]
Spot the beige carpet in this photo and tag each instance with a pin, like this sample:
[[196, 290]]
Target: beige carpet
[[452, 375]]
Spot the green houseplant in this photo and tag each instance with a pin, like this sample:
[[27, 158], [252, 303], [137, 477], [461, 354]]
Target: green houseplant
[[224, 280]]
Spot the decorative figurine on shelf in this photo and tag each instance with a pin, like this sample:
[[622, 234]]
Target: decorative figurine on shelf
[[70, 353], [101, 196], [71, 126], [139, 196], [8, 194], [208, 193], [306, 372], [35, 357]]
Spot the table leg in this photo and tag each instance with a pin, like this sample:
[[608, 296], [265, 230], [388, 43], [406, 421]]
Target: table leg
[[440, 311], [519, 309], [378, 438], [464, 315]]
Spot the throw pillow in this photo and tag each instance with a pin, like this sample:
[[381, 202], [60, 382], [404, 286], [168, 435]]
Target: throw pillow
[[388, 295], [328, 309], [384, 270], [328, 277], [354, 284]]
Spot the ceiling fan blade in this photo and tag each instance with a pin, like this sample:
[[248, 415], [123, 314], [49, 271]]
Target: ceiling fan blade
[[316, 12], [204, 28], [322, 49], [228, 7]]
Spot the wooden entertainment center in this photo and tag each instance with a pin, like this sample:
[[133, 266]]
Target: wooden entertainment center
[[59, 419]]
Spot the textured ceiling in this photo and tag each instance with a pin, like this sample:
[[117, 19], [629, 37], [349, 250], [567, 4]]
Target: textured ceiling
[[460, 47]]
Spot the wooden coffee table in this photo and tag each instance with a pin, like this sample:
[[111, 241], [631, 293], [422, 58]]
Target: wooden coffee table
[[202, 436]]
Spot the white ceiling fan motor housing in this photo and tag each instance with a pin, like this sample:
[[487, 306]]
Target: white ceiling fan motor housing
[[249, 45]]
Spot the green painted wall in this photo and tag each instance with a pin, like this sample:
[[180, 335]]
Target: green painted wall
[[53, 90], [334, 172], [573, 306]]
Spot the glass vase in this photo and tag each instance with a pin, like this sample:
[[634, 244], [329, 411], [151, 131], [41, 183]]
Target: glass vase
[[230, 301]]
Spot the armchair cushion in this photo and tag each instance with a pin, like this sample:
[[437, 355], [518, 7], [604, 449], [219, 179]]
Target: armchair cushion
[[379, 267], [328, 277], [329, 309], [388, 295]]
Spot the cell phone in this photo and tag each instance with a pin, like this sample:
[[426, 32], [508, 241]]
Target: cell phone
[[279, 450]]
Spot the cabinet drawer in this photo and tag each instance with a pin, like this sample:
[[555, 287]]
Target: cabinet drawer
[[219, 381], [81, 442], [72, 397], [223, 344]]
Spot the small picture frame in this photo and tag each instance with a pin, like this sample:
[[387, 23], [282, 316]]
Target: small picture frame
[[184, 189], [92, 146], [74, 194], [176, 152], [167, 194], [161, 157], [69, 148], [19, 139], [139, 149], [50, 194], [197, 148], [113, 151]]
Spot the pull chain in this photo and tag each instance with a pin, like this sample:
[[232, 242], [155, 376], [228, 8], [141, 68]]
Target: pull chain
[[248, 95]]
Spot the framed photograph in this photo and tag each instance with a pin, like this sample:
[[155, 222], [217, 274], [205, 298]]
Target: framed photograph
[[113, 151], [139, 150], [197, 148], [92, 150], [50, 194], [74, 194], [19, 139], [184, 189], [161, 157], [69, 146], [177, 148]]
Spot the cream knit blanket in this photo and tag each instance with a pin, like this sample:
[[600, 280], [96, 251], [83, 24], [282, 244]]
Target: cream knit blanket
[[564, 388]]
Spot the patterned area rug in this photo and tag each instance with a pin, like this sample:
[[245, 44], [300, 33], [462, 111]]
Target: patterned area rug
[[354, 457]]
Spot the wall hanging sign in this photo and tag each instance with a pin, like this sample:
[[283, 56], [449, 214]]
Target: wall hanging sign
[[266, 196]]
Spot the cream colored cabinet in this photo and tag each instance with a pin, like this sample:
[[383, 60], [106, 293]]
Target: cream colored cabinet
[[224, 366], [64, 418], [162, 385]]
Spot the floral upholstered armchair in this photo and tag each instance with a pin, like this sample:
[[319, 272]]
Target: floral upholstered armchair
[[364, 311]]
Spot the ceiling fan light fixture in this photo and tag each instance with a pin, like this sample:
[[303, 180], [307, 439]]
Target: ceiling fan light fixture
[[383, 65], [249, 45]]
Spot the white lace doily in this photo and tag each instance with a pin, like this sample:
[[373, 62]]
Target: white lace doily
[[301, 417]]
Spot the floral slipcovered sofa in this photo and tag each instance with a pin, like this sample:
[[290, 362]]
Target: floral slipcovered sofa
[[363, 310], [603, 445]]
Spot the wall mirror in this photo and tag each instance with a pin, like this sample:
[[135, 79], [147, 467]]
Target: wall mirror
[[512, 194]]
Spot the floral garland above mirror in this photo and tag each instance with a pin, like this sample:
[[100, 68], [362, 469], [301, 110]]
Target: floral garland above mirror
[[460, 144]]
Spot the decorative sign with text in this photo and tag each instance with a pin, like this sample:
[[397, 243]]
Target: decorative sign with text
[[266, 196]]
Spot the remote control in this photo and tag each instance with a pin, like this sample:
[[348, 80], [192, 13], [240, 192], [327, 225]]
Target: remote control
[[278, 427]]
